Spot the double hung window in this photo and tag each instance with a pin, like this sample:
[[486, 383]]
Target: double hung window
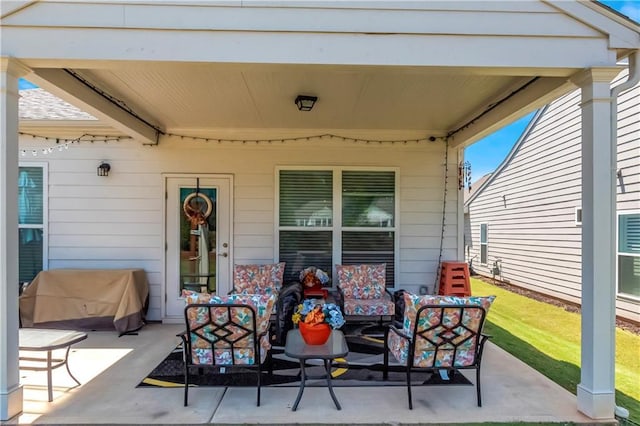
[[337, 216], [31, 221], [483, 243], [629, 255]]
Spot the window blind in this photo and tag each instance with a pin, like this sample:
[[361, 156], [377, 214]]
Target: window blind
[[370, 248], [629, 254], [368, 199], [30, 222], [306, 198], [629, 233]]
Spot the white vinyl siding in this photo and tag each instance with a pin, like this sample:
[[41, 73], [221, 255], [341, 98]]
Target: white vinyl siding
[[117, 221], [32, 223], [532, 200]]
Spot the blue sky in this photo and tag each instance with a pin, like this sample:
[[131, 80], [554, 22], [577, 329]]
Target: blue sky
[[24, 84], [487, 154]]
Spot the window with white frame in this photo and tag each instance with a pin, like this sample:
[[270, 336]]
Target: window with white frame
[[629, 254], [337, 216], [483, 243], [32, 207]]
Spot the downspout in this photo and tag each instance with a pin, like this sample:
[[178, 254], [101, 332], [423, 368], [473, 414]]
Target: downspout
[[632, 80]]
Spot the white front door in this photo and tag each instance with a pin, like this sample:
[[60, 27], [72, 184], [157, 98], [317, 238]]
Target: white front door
[[198, 237]]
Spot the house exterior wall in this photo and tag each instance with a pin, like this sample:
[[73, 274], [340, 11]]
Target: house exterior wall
[[117, 221], [530, 205]]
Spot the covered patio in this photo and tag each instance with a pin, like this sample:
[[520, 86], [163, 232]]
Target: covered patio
[[110, 368], [204, 92]]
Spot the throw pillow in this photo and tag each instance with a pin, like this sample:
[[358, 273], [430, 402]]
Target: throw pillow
[[258, 279], [414, 302], [362, 281]]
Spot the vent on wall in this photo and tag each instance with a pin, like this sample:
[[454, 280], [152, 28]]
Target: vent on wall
[[578, 216]]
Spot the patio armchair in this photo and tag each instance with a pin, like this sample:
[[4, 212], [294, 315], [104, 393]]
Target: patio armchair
[[362, 293], [439, 333], [263, 279], [226, 332], [258, 279]]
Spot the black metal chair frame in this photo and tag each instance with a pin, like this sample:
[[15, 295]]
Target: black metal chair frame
[[445, 340], [223, 332]]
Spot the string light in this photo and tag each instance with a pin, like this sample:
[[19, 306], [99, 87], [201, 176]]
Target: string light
[[323, 136], [64, 143]]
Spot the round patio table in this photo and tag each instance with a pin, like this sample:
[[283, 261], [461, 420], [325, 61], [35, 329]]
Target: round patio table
[[335, 347]]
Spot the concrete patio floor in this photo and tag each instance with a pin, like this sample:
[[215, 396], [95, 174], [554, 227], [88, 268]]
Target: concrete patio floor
[[110, 367]]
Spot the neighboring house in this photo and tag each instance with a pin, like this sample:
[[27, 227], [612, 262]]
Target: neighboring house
[[467, 193], [195, 96], [528, 214]]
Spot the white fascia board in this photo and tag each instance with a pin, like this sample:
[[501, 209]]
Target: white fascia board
[[622, 35], [78, 44], [537, 94], [62, 84], [54, 128], [366, 19], [9, 7]]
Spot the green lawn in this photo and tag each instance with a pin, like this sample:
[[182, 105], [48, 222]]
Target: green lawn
[[548, 339]]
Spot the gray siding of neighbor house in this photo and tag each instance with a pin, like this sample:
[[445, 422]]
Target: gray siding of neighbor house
[[529, 204]]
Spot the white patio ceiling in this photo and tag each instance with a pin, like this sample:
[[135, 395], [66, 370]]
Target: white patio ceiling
[[238, 96]]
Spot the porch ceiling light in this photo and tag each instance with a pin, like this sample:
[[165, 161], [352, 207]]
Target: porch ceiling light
[[305, 103], [103, 169]]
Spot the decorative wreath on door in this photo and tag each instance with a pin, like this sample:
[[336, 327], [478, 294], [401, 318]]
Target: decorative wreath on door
[[195, 210]]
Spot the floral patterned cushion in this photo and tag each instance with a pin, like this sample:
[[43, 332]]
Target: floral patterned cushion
[[191, 296], [455, 331], [362, 281], [263, 305], [235, 324], [414, 302], [370, 307], [258, 279], [202, 354]]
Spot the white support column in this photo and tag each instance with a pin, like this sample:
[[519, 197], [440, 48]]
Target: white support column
[[10, 389], [596, 391]]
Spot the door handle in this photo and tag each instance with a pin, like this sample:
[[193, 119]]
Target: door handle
[[223, 254]]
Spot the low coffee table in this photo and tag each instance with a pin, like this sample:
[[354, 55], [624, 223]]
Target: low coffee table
[[41, 340], [336, 347]]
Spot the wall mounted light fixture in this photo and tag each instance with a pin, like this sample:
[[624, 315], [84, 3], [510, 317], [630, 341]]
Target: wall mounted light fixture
[[305, 102], [104, 169]]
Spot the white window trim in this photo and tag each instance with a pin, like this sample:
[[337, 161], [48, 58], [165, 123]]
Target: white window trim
[[45, 209], [486, 244], [624, 296], [337, 205]]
